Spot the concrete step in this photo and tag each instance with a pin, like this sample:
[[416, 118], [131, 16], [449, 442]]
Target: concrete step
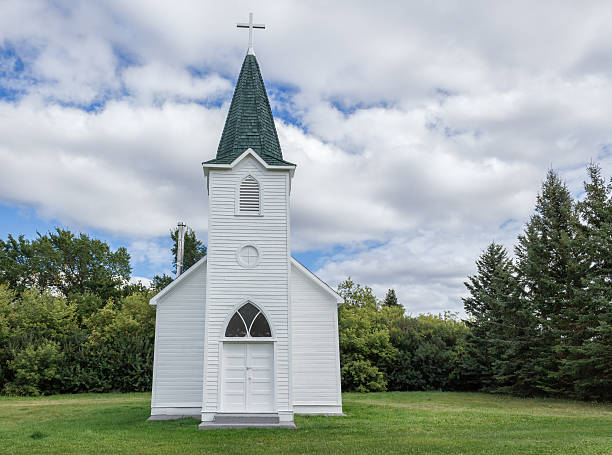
[[229, 426], [249, 419]]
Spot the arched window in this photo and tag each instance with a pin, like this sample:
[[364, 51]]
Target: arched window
[[249, 197], [248, 321]]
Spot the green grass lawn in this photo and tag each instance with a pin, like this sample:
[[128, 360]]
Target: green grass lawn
[[395, 422]]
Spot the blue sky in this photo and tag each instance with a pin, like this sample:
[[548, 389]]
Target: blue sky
[[421, 132]]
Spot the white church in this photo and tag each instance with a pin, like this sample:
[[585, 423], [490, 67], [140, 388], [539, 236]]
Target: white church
[[247, 336]]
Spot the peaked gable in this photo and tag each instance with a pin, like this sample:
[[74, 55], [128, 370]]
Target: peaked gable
[[190, 271], [212, 164], [318, 281]]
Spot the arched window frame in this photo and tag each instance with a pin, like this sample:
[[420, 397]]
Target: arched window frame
[[238, 209], [248, 336]]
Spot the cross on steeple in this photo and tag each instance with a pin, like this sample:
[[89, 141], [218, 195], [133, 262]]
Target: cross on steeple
[[250, 26]]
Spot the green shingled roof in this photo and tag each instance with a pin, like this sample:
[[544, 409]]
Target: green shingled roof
[[249, 123]]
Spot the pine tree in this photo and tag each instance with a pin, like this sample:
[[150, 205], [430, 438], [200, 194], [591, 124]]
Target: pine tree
[[391, 299], [491, 291], [548, 274], [193, 249], [589, 354]]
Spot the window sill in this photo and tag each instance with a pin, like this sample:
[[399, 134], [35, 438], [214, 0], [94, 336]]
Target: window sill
[[249, 340]]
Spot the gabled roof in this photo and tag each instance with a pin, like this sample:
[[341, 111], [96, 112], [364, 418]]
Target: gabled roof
[[177, 281], [315, 279], [318, 281], [249, 122], [248, 152]]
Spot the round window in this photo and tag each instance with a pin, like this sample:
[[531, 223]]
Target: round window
[[248, 256]]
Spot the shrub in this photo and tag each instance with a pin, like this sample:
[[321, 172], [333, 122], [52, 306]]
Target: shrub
[[35, 370], [362, 376]]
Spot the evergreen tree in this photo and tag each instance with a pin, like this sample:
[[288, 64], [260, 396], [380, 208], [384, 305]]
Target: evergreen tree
[[589, 354], [160, 282], [391, 299], [193, 249], [491, 291], [548, 273]]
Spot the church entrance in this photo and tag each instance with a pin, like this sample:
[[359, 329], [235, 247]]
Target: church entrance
[[248, 377], [247, 366]]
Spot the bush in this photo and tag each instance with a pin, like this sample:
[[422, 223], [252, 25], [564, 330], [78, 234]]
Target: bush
[[431, 352], [381, 347], [362, 376], [44, 350], [69, 322], [35, 370], [365, 350], [122, 341]]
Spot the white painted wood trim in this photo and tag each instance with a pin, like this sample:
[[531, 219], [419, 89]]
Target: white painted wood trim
[[274, 382], [237, 211], [221, 379], [220, 376], [206, 304], [156, 298], [176, 411], [285, 416], [315, 279], [259, 253], [318, 409], [155, 358], [208, 416], [289, 301], [178, 404], [248, 340], [228, 316], [247, 152], [338, 372]]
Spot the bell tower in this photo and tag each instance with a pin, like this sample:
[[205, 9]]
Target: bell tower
[[247, 366]]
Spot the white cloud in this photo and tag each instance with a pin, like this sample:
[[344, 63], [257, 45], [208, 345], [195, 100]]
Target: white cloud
[[156, 82], [425, 130], [126, 170], [150, 252], [140, 279]]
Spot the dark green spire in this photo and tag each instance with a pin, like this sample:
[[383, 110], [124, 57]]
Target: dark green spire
[[249, 123]]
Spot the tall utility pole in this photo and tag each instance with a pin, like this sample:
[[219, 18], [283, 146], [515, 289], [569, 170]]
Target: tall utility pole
[[180, 248]]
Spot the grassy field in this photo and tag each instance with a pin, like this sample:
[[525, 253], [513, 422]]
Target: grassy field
[[396, 422]]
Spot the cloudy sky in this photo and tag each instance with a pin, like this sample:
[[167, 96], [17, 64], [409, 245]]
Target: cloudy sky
[[422, 130]]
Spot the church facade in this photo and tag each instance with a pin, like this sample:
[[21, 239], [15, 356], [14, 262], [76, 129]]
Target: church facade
[[247, 336]]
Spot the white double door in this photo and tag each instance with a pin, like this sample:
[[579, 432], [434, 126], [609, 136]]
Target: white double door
[[248, 377]]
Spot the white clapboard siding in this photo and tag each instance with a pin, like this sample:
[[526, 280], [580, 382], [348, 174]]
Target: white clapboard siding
[[230, 284], [314, 342], [179, 343]]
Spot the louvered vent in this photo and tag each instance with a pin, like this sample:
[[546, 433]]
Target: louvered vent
[[249, 196]]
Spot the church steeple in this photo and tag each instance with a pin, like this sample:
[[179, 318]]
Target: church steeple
[[249, 123]]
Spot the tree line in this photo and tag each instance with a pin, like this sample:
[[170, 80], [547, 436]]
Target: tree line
[[70, 321], [539, 323], [382, 348]]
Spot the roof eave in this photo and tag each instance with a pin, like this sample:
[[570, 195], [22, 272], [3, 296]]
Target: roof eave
[[326, 287], [155, 299], [208, 166]]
